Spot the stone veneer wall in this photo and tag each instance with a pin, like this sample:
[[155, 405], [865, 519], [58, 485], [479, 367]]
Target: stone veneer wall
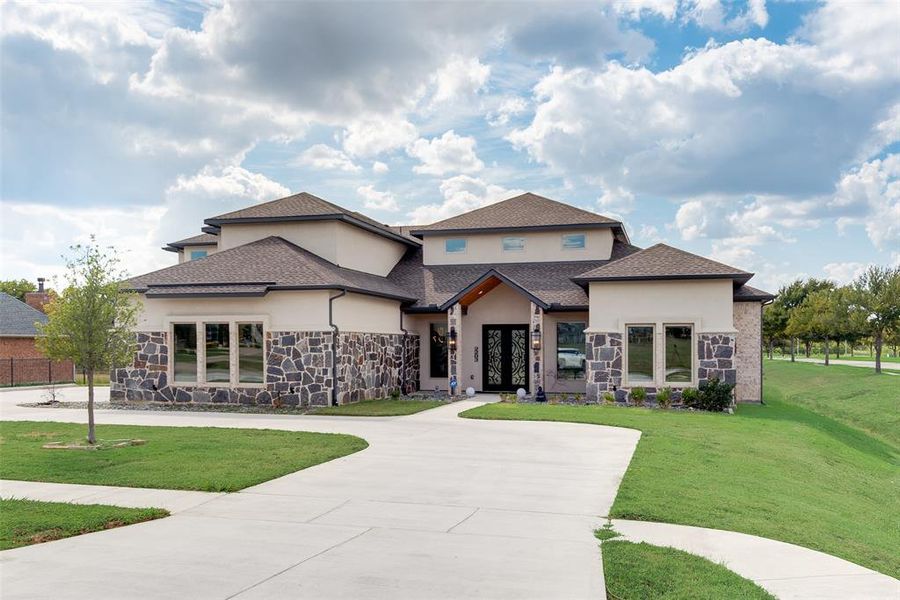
[[604, 364], [715, 351], [748, 351], [454, 322], [537, 356], [369, 365], [298, 371]]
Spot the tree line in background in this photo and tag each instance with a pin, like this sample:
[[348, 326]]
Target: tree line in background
[[816, 311]]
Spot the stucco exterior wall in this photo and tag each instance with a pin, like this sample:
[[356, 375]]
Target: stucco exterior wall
[[706, 303], [367, 314], [185, 254], [342, 244], [540, 246], [748, 351]]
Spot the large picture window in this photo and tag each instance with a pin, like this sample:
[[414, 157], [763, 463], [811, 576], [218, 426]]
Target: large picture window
[[679, 353], [570, 351], [218, 357], [639, 354], [251, 365], [437, 341], [185, 355]]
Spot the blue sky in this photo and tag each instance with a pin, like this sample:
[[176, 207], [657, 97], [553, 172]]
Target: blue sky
[[763, 134]]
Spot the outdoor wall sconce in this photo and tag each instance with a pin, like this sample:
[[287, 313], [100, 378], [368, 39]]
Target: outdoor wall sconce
[[536, 338], [451, 339]]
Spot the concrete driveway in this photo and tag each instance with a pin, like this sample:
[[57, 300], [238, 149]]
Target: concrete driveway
[[436, 507]]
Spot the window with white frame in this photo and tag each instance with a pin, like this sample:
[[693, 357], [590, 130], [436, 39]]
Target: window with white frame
[[184, 356], [454, 245], [679, 340], [639, 354], [513, 244], [573, 241]]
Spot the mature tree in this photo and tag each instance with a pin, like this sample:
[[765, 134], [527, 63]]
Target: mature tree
[[91, 322], [17, 288], [876, 294], [774, 323], [823, 315], [791, 296]]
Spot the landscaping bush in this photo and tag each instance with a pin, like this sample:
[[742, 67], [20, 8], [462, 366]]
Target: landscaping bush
[[609, 398], [638, 395], [690, 396], [715, 395], [664, 397]]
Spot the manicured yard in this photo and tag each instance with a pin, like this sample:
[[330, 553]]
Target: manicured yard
[[25, 522], [780, 471], [859, 356], [184, 458], [639, 571], [386, 407], [855, 396]]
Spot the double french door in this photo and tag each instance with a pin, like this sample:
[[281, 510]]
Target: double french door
[[505, 357]]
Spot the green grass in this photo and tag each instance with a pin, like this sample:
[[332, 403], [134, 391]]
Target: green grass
[[856, 397], [780, 471], [99, 378], [859, 357], [386, 407], [25, 522], [639, 571], [182, 458]]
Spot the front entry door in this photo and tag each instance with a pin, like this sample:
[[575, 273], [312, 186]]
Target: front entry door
[[505, 357]]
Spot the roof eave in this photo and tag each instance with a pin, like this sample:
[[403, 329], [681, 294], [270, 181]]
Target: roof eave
[[270, 287], [738, 277], [425, 231], [493, 273]]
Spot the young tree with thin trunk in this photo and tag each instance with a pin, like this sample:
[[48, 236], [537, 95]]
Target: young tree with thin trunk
[[876, 295], [91, 322]]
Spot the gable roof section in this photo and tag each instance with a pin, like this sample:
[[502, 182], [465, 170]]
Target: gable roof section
[[17, 319], [526, 211], [745, 293], [256, 268], [663, 262], [550, 283], [204, 239], [306, 207]]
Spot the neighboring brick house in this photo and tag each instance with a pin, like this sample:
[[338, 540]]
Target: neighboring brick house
[[299, 301], [20, 360]]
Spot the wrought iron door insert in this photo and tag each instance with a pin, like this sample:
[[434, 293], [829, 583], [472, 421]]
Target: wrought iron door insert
[[505, 357]]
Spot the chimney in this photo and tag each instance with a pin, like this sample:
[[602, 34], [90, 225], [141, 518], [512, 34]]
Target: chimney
[[39, 298]]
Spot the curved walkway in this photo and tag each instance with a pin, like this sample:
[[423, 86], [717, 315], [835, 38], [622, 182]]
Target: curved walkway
[[436, 507], [785, 570]]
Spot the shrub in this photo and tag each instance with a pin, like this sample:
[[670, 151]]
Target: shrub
[[690, 396], [715, 395], [638, 395], [395, 395], [664, 397], [609, 398]]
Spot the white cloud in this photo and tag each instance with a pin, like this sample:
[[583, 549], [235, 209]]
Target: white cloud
[[379, 167], [712, 14], [461, 193], [449, 153], [376, 200], [649, 235], [322, 156], [508, 108], [843, 273], [375, 135], [616, 200], [870, 195], [461, 77]]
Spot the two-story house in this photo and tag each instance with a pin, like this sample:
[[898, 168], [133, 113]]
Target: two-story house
[[299, 301]]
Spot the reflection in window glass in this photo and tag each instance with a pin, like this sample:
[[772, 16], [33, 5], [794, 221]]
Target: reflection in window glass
[[185, 356], [438, 346], [455, 245], [195, 254], [250, 353], [573, 241], [218, 365], [640, 353], [570, 351], [679, 353], [513, 244]]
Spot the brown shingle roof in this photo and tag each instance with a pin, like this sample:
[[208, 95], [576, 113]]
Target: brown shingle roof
[[204, 239], [745, 293], [524, 211], [267, 264], [550, 282], [306, 207], [663, 262]]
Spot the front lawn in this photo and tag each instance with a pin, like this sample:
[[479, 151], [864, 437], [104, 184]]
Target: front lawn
[[855, 396], [386, 407], [25, 522], [639, 571], [181, 458], [780, 471]]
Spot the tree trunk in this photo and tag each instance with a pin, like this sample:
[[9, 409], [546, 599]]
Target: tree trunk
[[793, 348], [771, 343], [808, 348], [826, 352], [878, 341], [92, 438], [838, 350]]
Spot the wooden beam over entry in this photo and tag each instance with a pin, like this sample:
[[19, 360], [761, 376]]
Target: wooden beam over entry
[[477, 292]]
